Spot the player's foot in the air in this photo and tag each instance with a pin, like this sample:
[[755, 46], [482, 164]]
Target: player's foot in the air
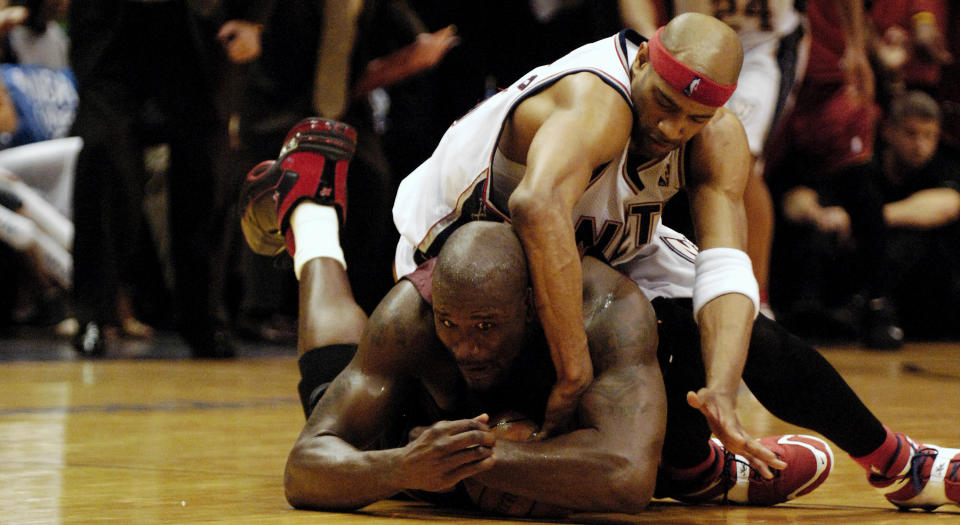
[[312, 165]]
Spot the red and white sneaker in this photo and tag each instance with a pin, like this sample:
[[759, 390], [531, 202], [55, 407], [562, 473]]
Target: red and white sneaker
[[809, 461], [930, 479], [312, 165]]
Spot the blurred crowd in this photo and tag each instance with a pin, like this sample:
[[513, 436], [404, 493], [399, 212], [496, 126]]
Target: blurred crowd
[[126, 128]]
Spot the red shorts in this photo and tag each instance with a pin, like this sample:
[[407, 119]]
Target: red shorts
[[422, 279], [830, 130]]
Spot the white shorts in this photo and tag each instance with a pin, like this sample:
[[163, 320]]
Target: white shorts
[[758, 89]]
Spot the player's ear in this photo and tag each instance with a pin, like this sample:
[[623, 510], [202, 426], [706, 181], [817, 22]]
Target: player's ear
[[643, 56]]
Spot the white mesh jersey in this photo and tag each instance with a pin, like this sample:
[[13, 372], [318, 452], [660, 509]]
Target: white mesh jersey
[[616, 220]]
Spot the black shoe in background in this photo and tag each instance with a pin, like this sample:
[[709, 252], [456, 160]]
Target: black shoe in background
[[210, 344], [881, 326], [90, 340]]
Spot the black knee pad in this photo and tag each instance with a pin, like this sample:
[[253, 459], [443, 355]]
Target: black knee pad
[[318, 367]]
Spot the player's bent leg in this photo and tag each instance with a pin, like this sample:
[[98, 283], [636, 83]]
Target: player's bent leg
[[910, 474], [303, 196], [329, 315], [312, 165], [329, 326], [798, 385], [729, 478]]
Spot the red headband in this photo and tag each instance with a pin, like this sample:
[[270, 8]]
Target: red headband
[[684, 79]]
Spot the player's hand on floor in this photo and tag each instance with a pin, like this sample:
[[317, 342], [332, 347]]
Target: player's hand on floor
[[441, 455], [721, 413]]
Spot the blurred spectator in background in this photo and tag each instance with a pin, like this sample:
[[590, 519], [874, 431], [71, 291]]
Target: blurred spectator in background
[[231, 33], [909, 45], [947, 92], [920, 186], [818, 171], [38, 99], [36, 266], [915, 183], [143, 80], [39, 38]]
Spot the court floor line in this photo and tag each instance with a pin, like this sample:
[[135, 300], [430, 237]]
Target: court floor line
[[924, 371], [133, 468], [177, 405]]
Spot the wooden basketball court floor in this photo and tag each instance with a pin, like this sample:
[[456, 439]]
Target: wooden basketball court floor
[[147, 435]]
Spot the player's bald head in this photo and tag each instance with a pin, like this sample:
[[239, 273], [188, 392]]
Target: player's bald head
[[481, 255], [705, 45]]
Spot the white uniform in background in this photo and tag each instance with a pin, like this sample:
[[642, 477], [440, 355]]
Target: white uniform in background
[[618, 217], [760, 24]]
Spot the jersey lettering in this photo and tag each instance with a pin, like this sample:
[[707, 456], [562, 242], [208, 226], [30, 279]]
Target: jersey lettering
[[613, 241], [646, 222], [591, 243]]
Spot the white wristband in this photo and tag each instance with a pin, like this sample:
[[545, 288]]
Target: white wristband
[[721, 271]]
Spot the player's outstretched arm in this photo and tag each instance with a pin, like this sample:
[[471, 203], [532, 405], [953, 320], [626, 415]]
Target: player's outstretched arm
[[609, 463], [563, 134], [332, 465], [719, 163]]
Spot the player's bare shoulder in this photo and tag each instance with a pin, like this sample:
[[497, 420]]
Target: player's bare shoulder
[[588, 90], [724, 132], [583, 101], [721, 147], [400, 333], [619, 320]]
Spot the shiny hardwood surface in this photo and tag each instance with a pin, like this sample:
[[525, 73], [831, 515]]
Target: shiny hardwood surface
[[148, 436]]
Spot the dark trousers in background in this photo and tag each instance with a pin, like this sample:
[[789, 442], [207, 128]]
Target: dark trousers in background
[[141, 81]]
